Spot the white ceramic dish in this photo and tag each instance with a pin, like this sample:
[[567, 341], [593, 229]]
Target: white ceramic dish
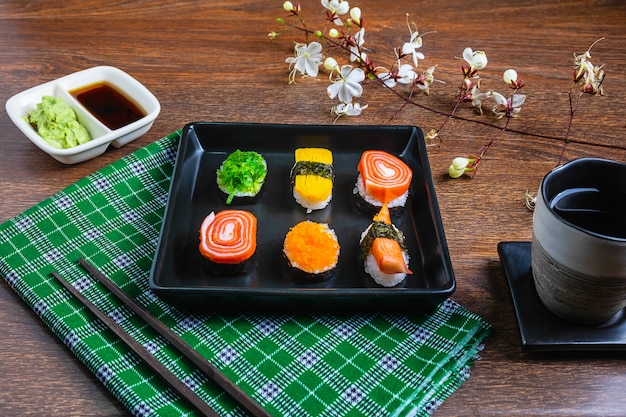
[[22, 103]]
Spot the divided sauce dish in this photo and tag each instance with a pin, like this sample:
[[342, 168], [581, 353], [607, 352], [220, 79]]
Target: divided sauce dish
[[102, 136]]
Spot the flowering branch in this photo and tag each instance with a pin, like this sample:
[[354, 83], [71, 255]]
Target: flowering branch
[[588, 78], [344, 32], [505, 107]]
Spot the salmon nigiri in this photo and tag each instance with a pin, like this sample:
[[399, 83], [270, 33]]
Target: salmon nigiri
[[384, 251], [228, 241], [383, 179]]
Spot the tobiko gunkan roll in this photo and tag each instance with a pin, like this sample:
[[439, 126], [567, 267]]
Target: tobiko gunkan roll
[[228, 241], [384, 252], [312, 251], [312, 178], [383, 179], [242, 174]]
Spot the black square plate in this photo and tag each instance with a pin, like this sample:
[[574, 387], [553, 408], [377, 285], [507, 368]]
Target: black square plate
[[540, 329], [178, 274]]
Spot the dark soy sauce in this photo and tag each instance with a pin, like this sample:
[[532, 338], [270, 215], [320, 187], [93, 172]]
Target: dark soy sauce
[[108, 105], [597, 211]]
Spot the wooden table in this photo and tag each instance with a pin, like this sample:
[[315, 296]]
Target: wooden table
[[213, 61]]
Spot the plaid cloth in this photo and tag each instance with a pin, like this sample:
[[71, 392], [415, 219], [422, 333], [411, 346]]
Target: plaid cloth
[[293, 365]]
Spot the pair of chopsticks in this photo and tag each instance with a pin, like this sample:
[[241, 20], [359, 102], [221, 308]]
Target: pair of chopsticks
[[214, 374]]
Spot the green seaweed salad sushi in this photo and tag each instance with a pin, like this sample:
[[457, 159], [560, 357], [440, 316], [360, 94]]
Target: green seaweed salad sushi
[[242, 175]]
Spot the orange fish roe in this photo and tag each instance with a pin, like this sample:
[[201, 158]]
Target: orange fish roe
[[312, 247]]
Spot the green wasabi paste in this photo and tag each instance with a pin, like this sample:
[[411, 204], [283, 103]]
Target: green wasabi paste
[[57, 124], [242, 174]]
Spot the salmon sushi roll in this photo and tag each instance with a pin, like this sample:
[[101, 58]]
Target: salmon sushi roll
[[312, 178], [384, 252], [312, 251], [383, 179], [228, 241]]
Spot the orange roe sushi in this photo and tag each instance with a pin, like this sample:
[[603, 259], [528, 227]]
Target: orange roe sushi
[[383, 179], [312, 251], [228, 241], [384, 252]]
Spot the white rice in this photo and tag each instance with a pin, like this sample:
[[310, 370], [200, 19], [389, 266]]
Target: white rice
[[386, 280], [381, 278], [311, 205], [360, 188]]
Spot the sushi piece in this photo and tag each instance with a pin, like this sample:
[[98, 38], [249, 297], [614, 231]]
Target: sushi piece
[[312, 178], [383, 179], [228, 241], [312, 251], [384, 252], [242, 174]]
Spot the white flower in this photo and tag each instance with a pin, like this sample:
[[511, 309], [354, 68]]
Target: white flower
[[348, 109], [347, 85], [476, 96], [477, 60], [507, 107], [355, 48], [411, 47], [404, 75], [307, 59], [336, 7]]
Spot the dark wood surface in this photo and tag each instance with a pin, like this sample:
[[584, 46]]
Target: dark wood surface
[[212, 61]]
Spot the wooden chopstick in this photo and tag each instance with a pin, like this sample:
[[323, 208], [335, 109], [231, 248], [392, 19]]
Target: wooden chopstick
[[214, 374], [176, 384]]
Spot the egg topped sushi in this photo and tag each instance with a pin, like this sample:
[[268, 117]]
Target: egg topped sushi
[[383, 179], [312, 178]]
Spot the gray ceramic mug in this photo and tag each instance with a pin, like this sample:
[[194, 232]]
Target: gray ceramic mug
[[579, 241]]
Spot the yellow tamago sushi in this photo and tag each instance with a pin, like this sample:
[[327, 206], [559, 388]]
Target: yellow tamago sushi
[[312, 178]]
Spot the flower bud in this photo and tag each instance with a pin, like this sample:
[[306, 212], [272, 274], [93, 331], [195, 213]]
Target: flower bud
[[460, 163], [459, 166], [334, 33], [510, 76], [355, 14], [319, 34], [330, 64], [455, 173], [288, 6]]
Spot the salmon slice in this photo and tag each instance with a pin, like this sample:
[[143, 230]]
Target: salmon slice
[[228, 237], [387, 252], [385, 176]]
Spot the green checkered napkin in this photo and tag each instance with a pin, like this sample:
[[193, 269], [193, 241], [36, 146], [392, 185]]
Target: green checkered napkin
[[293, 365]]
